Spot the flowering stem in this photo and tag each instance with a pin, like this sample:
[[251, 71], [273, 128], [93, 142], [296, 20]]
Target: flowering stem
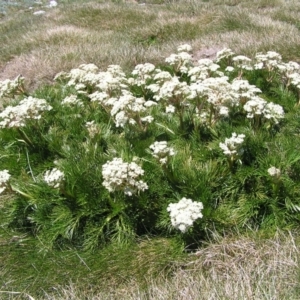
[[276, 186], [231, 164], [211, 114]]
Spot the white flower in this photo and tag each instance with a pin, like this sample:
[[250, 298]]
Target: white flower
[[72, 100], [295, 79], [161, 151], [9, 87], [172, 88], [126, 108], [243, 89], [274, 172], [100, 97], [242, 62], [142, 72], [231, 146], [92, 128], [52, 3], [268, 61], [54, 177], [184, 48], [255, 107], [170, 109], [150, 103], [154, 88], [28, 108], [4, 177], [184, 213], [121, 119], [273, 112], [162, 76], [203, 70], [180, 61], [229, 69], [225, 53], [223, 111], [143, 69], [147, 119], [122, 176]]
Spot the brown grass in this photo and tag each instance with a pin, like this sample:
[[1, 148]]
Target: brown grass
[[130, 33], [229, 268]]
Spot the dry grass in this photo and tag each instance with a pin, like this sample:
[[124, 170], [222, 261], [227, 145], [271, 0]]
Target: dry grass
[[129, 33], [230, 268]]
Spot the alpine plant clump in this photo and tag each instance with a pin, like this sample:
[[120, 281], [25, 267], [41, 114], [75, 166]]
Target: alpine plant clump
[[123, 176], [115, 147]]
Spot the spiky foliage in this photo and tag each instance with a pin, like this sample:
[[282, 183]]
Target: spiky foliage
[[99, 156]]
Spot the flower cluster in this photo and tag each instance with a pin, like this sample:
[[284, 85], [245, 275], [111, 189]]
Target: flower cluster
[[223, 54], [4, 177], [127, 108], [122, 176], [207, 92], [10, 87], [274, 172], [92, 128], [54, 177], [28, 108], [172, 89], [161, 151], [268, 61], [72, 100], [141, 73], [232, 146], [259, 107], [242, 62], [204, 69], [184, 213], [295, 79], [182, 60]]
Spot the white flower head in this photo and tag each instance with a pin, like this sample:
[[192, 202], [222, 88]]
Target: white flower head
[[142, 73], [28, 108], [170, 109], [184, 213], [147, 119], [161, 151], [72, 100], [232, 146], [180, 61], [273, 112], [123, 176], [255, 107], [229, 69], [184, 48], [242, 62], [10, 87], [225, 53], [4, 178], [54, 177], [274, 172], [93, 129], [52, 3]]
